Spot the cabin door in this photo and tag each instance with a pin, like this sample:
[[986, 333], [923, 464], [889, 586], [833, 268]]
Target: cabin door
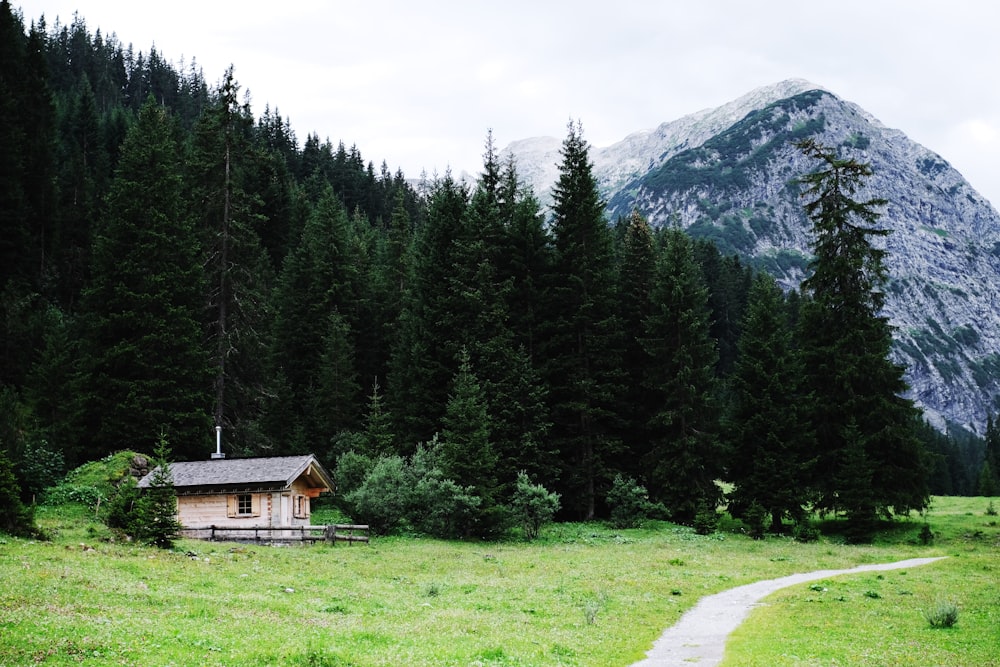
[[285, 518]]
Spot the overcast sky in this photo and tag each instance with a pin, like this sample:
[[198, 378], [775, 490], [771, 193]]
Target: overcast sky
[[419, 84]]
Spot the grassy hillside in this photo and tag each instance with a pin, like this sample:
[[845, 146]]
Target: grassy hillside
[[583, 595]]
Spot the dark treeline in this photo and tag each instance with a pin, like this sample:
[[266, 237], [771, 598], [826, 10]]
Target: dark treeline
[[169, 262]]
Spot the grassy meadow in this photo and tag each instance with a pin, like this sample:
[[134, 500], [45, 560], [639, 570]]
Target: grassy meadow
[[584, 594]]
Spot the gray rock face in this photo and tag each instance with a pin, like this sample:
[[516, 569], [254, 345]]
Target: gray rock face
[[730, 174]]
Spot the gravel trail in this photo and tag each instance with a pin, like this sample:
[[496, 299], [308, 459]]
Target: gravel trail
[[699, 637]]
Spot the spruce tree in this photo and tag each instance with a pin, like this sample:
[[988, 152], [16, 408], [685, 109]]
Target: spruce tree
[[465, 451], [432, 319], [16, 518], [858, 408], [147, 369], [766, 429], [525, 259], [239, 273], [582, 333], [685, 456], [636, 277], [312, 341], [156, 511]]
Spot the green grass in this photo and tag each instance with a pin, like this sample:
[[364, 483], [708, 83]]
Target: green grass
[[583, 595], [882, 618]]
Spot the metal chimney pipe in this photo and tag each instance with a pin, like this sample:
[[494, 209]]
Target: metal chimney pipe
[[217, 454]]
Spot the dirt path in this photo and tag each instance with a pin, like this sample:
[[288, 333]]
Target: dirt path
[[699, 637]]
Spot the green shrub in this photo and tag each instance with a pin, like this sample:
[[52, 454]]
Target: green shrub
[[629, 503], [533, 506], [118, 512], [942, 615], [706, 520], [350, 473], [382, 498], [15, 517], [756, 519], [442, 508], [67, 492], [805, 532]]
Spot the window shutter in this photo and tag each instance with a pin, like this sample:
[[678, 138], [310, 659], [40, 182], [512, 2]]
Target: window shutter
[[231, 506], [255, 504]]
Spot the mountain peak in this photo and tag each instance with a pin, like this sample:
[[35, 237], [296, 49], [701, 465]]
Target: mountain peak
[[729, 174]]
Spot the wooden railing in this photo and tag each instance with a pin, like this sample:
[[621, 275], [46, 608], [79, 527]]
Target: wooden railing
[[319, 533]]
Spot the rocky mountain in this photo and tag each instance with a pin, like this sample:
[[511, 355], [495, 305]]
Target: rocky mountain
[[730, 174]]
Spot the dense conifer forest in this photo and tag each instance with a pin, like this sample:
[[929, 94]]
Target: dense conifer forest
[[170, 261]]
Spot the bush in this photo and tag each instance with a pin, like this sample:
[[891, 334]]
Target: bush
[[383, 497], [96, 482], [352, 468], [119, 512], [942, 615], [442, 508], [805, 532], [756, 519], [533, 506], [629, 503], [706, 520], [67, 492], [15, 518]]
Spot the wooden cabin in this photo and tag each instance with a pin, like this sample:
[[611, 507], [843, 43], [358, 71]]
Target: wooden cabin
[[255, 495]]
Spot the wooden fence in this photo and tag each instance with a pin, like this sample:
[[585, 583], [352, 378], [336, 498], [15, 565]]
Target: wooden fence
[[333, 533]]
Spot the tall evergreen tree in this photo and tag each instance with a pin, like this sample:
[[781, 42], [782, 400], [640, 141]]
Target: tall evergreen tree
[[636, 277], [526, 259], [685, 457], [148, 372], [582, 347], [465, 450], [863, 424], [432, 320], [766, 427], [238, 269], [27, 164], [312, 341], [157, 521]]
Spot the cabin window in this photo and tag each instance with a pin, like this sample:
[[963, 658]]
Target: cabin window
[[301, 507], [243, 505]]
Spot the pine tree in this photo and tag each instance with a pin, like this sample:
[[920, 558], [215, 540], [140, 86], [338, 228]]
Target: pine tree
[[685, 457], [582, 334], [156, 511], [766, 429], [312, 340], [378, 427], [239, 272], [334, 403], [637, 273], [465, 451], [15, 517], [147, 369], [525, 260], [857, 409], [432, 321]]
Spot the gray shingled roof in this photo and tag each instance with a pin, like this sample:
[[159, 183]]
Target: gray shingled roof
[[269, 472]]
